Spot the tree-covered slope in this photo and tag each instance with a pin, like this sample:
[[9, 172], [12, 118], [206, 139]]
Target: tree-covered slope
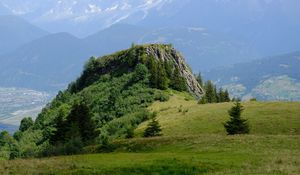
[[107, 101]]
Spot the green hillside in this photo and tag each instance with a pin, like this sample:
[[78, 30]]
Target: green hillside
[[99, 121], [106, 102], [265, 118], [193, 142]]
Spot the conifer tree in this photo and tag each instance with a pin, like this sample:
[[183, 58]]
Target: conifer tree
[[199, 79], [226, 96], [78, 124], [153, 129], [210, 92], [216, 97], [177, 81], [26, 123], [80, 117], [221, 95], [162, 80], [152, 66], [236, 125]]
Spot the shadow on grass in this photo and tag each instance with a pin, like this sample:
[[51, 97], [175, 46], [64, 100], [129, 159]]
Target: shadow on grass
[[161, 167]]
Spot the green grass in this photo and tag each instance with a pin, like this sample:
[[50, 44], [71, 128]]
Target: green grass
[[264, 117], [193, 142]]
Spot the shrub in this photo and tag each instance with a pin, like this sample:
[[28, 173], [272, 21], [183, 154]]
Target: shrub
[[202, 100]]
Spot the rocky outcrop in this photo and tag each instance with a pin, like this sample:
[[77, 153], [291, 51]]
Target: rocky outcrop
[[168, 53]]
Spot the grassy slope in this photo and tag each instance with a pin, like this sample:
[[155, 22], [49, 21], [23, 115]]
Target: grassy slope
[[194, 142]]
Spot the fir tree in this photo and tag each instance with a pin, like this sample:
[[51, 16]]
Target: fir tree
[[152, 66], [177, 81], [80, 118], [162, 81], [215, 94], [153, 129], [221, 95], [210, 92], [236, 125], [226, 96], [199, 79], [26, 123]]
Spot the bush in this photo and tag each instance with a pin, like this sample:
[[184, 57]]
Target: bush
[[236, 125], [161, 96], [202, 100]]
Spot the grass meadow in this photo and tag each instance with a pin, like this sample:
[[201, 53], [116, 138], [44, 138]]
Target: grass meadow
[[193, 142]]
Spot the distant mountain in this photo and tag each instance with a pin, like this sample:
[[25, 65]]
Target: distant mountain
[[15, 31], [203, 49], [114, 38], [262, 24], [50, 62], [45, 63], [273, 78], [80, 18], [41, 63], [238, 30]]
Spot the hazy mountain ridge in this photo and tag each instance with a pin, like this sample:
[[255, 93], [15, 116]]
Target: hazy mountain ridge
[[15, 31], [28, 66], [78, 17], [273, 78], [42, 62]]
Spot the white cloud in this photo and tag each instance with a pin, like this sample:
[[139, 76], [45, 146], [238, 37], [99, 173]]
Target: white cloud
[[115, 7], [93, 9]]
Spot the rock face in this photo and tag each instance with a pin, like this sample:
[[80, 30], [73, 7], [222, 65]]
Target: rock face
[[126, 60], [168, 53]]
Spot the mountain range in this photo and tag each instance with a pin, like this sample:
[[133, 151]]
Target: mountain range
[[15, 31], [263, 24], [38, 64], [272, 78]]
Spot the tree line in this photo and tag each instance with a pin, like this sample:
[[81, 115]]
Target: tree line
[[212, 93]]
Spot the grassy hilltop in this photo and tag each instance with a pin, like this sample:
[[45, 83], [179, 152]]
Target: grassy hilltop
[[193, 142]]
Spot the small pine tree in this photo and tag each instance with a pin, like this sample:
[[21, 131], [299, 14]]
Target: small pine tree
[[199, 79], [236, 125], [177, 81], [210, 92], [162, 79], [216, 96], [153, 129], [221, 95], [226, 96]]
